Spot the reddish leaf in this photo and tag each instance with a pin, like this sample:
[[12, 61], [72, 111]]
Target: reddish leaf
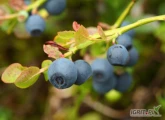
[[104, 25], [101, 32], [53, 52], [52, 43], [17, 4], [75, 26]]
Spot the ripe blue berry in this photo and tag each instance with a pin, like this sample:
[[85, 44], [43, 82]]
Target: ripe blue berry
[[102, 70], [84, 71], [123, 82], [131, 33], [118, 55], [103, 87], [62, 73], [133, 57], [125, 40], [55, 7], [35, 25]]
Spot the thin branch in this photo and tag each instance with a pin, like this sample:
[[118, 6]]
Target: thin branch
[[124, 14], [142, 22], [11, 16], [107, 111], [15, 15]]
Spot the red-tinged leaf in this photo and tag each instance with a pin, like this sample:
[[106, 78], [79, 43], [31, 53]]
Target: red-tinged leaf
[[27, 77], [64, 37], [101, 32], [104, 25], [52, 43], [81, 35], [12, 72], [75, 26], [17, 4], [53, 52], [45, 64]]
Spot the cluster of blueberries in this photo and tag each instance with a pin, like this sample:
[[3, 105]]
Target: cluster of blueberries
[[63, 73], [35, 24]]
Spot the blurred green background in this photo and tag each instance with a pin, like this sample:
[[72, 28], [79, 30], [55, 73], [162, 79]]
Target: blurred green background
[[43, 102]]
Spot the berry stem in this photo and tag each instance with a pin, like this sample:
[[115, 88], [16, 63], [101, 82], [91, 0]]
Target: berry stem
[[43, 69], [30, 7]]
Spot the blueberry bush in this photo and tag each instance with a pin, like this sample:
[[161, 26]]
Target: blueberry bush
[[81, 60]]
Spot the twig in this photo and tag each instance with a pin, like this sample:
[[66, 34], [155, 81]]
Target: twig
[[34, 5], [107, 111], [124, 14]]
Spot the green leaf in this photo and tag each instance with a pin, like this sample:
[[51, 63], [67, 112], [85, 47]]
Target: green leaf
[[12, 72], [81, 35], [28, 77], [45, 64], [53, 52], [64, 37]]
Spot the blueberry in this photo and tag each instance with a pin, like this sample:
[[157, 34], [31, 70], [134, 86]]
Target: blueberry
[[103, 87], [131, 33], [35, 25], [118, 55], [133, 57], [55, 7], [84, 71], [62, 73], [102, 70], [125, 40], [123, 82]]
